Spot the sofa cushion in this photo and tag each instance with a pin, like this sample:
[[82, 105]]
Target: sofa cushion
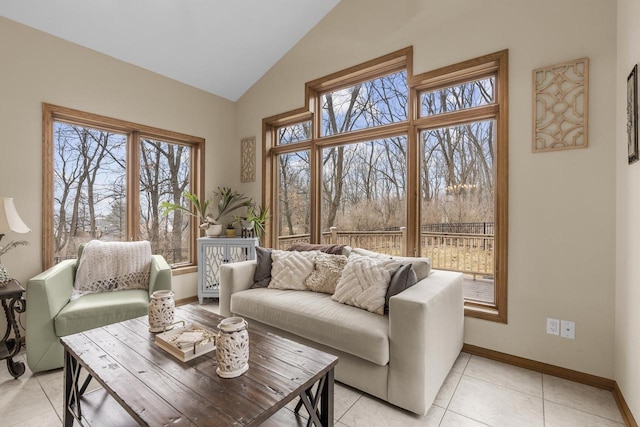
[[421, 266], [95, 310], [364, 282], [328, 248], [290, 269], [403, 278], [262, 274], [315, 316], [326, 273]]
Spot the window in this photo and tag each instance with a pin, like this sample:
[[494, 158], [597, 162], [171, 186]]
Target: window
[[105, 179], [400, 164]]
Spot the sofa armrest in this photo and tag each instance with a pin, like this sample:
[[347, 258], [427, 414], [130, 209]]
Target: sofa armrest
[[234, 277], [160, 275], [426, 326], [47, 294]]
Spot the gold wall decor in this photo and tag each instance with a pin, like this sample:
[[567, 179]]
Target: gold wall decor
[[560, 106], [248, 159]]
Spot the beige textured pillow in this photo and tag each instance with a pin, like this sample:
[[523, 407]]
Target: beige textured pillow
[[422, 266], [290, 269], [364, 282], [326, 273]]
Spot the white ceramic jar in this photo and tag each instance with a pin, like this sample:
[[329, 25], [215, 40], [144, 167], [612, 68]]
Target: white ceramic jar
[[232, 347], [161, 310]]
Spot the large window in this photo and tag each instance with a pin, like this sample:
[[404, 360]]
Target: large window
[[105, 179], [401, 164]]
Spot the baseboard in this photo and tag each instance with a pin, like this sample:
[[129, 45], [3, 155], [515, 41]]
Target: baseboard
[[185, 301], [624, 408], [556, 371]]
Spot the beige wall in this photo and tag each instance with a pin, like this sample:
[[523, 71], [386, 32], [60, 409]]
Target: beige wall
[[37, 68], [627, 319], [562, 205]]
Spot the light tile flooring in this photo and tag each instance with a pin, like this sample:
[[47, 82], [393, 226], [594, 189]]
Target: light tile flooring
[[477, 392]]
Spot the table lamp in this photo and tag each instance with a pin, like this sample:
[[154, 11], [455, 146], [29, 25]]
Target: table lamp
[[9, 221]]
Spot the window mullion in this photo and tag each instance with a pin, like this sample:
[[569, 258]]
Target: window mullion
[[133, 186]]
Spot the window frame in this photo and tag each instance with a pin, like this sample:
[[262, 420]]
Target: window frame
[[494, 64], [135, 133]]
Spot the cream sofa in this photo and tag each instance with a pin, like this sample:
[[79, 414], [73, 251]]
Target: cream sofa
[[403, 357]]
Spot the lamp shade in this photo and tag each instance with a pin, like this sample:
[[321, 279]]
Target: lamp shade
[[9, 218]]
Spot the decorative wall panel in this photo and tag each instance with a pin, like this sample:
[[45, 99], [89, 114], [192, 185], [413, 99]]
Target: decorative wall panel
[[560, 106], [248, 159]]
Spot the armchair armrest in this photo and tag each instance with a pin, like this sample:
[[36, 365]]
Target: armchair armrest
[[47, 294], [234, 277], [426, 326], [160, 274]]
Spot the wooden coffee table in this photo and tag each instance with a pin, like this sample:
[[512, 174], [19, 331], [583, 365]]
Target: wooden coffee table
[[144, 385]]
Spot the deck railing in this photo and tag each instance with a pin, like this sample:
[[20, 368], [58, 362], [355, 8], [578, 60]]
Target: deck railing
[[464, 252]]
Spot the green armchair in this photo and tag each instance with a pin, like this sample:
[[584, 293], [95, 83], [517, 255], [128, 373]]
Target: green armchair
[[50, 313]]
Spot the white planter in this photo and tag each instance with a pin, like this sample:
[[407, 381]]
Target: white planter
[[232, 347], [214, 230]]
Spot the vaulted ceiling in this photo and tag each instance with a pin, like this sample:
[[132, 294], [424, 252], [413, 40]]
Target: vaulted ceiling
[[222, 47]]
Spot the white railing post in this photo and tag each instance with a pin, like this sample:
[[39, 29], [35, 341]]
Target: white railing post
[[403, 243], [334, 235]]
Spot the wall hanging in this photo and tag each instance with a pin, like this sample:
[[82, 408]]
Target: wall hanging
[[561, 106], [248, 159]]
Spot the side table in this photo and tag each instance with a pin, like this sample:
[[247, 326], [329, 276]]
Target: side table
[[12, 302]]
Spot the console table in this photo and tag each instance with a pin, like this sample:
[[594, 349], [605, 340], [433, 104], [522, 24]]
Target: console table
[[215, 251], [12, 302]]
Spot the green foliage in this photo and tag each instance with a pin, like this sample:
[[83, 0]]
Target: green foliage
[[200, 207], [231, 200], [14, 244]]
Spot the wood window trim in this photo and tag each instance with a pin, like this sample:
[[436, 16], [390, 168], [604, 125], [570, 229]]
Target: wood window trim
[[494, 64], [135, 132]]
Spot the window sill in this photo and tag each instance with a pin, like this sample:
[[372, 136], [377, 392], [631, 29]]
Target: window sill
[[484, 312]]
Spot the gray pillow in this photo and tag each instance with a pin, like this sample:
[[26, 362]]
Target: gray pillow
[[402, 279], [262, 275]]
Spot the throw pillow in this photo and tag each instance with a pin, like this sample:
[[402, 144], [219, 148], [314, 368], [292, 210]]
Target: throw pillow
[[402, 279], [364, 282], [326, 273], [329, 249], [421, 266], [290, 269], [262, 274]]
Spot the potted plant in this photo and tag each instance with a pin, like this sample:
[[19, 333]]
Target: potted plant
[[228, 201], [255, 219], [199, 211], [230, 231]]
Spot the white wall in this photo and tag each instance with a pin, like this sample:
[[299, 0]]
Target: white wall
[[627, 319], [561, 205], [37, 68]]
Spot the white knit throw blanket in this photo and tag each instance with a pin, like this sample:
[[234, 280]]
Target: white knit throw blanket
[[112, 266]]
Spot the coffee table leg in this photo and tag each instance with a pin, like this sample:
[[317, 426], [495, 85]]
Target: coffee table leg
[[71, 392], [326, 401], [320, 406]]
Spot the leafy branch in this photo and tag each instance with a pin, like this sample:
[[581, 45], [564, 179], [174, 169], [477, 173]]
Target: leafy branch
[[14, 244]]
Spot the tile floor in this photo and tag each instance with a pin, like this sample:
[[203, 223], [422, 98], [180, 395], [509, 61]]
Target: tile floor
[[477, 392]]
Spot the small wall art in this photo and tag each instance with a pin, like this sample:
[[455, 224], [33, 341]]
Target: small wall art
[[248, 159], [632, 115], [561, 106]]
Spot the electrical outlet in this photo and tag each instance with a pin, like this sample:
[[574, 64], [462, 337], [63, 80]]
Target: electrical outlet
[[568, 329], [553, 326]]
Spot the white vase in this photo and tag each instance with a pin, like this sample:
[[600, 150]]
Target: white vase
[[214, 230], [161, 311], [232, 347]]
